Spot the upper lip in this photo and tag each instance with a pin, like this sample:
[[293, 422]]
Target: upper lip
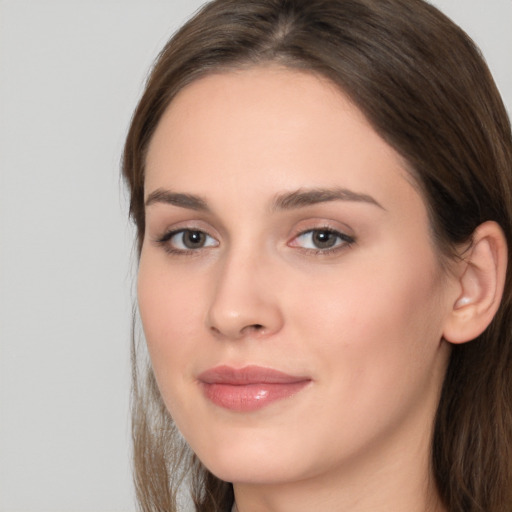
[[248, 375]]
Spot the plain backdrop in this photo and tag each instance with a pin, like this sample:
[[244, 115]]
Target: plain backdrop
[[70, 75]]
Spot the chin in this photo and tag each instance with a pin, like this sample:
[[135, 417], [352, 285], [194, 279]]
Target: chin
[[253, 458], [263, 471]]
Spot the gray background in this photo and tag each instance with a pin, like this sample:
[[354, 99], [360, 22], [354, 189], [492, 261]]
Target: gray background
[[70, 74]]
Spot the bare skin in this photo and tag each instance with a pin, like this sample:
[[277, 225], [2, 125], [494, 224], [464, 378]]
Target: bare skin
[[283, 232]]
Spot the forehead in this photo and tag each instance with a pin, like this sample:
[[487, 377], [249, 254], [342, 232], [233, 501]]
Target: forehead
[[268, 126], [261, 99]]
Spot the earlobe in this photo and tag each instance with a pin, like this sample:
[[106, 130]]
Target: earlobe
[[481, 283]]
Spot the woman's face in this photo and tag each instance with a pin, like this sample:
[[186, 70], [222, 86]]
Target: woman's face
[[291, 297]]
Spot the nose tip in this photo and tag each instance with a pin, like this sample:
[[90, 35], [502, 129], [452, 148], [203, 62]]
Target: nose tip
[[243, 304]]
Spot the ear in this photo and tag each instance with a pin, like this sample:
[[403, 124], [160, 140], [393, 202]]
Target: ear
[[481, 279]]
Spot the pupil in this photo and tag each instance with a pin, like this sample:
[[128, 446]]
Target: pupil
[[324, 239], [193, 239]]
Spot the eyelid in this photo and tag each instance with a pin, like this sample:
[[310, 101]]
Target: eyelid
[[344, 242], [158, 228], [164, 239], [172, 233], [301, 229]]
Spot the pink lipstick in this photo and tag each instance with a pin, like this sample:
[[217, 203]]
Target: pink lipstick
[[249, 388]]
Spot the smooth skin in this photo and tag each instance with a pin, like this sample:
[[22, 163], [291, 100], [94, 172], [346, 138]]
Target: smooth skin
[[283, 232]]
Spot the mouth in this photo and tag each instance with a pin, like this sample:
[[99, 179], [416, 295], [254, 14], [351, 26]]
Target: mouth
[[249, 388]]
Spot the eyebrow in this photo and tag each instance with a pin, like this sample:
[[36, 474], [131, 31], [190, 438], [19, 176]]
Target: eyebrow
[[302, 198], [189, 201], [287, 201]]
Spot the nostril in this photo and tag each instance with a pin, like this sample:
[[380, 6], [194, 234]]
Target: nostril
[[247, 329], [253, 328]]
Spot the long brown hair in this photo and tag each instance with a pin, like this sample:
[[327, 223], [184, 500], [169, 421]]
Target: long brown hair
[[425, 88]]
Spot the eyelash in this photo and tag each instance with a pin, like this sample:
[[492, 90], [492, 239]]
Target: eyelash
[[343, 241], [166, 238]]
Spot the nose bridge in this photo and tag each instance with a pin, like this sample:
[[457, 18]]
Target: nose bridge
[[244, 299]]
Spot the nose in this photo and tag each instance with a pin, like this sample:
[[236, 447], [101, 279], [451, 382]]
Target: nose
[[245, 299]]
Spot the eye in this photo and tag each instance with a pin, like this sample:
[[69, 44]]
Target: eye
[[186, 240], [321, 240]]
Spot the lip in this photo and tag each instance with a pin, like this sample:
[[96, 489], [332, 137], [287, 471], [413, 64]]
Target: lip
[[249, 388]]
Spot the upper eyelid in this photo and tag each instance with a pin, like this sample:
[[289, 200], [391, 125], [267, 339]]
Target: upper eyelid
[[344, 242], [164, 241], [337, 232], [161, 228], [322, 224], [302, 227], [169, 233], [162, 219]]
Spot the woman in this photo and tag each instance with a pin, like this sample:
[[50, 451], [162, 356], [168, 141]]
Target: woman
[[322, 193]]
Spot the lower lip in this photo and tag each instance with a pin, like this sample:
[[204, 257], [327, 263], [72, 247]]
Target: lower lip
[[250, 397]]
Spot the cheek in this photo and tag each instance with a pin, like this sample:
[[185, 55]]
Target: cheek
[[170, 313], [169, 310], [373, 337], [379, 315]]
